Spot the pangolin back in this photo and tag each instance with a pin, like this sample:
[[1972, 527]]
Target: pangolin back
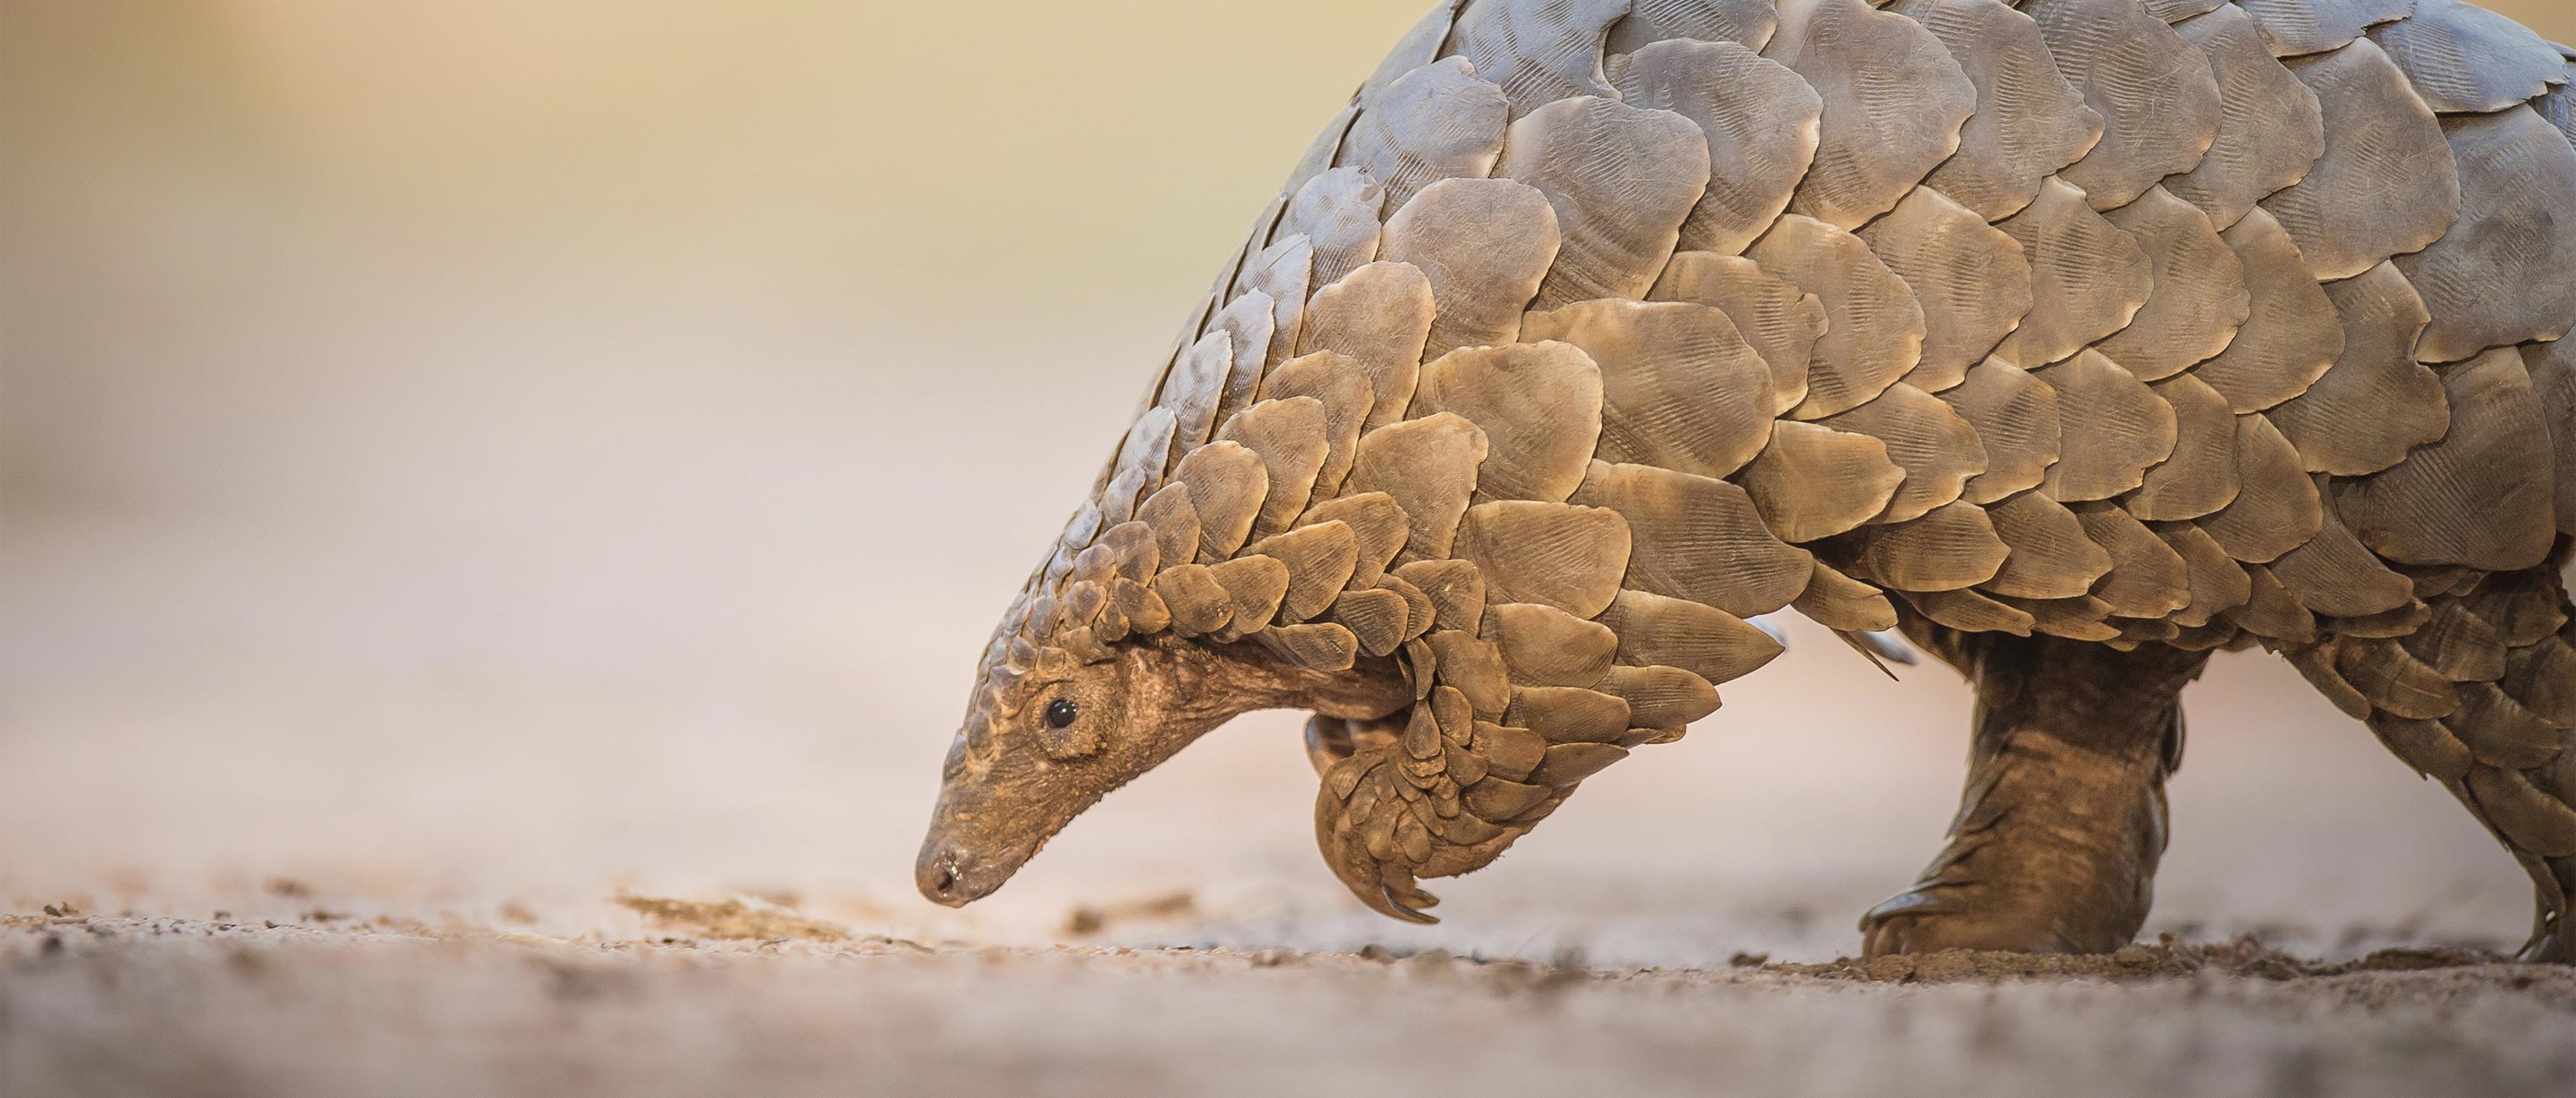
[[1590, 329]]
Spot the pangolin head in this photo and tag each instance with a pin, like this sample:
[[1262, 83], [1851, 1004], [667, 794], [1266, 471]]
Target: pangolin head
[[1083, 688]]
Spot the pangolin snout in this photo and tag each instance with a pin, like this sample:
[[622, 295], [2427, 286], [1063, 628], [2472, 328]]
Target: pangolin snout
[[945, 875], [953, 874], [968, 855]]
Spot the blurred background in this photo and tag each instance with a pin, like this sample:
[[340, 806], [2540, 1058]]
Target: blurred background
[[460, 461]]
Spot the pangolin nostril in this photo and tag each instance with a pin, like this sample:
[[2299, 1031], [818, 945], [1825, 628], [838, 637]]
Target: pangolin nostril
[[938, 875]]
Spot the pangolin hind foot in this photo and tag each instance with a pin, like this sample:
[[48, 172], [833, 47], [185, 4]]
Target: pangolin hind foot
[[2055, 845], [2117, 332]]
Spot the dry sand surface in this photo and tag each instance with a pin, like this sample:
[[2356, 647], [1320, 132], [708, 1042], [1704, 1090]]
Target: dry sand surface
[[112, 1006], [600, 913], [498, 502]]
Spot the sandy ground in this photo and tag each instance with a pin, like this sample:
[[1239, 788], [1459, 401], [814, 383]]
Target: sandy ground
[[115, 1006]]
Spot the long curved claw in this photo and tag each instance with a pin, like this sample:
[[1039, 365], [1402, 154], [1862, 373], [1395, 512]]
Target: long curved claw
[[1889, 928], [1408, 913]]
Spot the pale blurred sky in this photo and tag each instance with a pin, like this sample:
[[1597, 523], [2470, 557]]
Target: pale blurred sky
[[884, 156], [485, 442]]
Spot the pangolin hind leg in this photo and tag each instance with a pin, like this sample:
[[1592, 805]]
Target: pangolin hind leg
[[2481, 696], [2055, 845]]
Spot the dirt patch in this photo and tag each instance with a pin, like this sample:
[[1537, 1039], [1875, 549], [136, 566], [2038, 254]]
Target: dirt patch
[[150, 1006], [736, 919], [2246, 956], [1094, 918]]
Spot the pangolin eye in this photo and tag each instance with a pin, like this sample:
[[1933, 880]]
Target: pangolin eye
[[1061, 713]]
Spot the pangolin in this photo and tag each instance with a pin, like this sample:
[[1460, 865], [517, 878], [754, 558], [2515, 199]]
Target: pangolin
[[2075, 339]]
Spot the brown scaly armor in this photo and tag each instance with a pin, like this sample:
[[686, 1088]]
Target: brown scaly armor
[[2076, 339]]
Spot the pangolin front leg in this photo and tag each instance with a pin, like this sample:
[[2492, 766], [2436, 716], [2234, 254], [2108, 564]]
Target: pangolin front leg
[[2055, 846]]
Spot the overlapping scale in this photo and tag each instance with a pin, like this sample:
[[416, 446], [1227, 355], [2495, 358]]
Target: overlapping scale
[[2200, 477], [2297, 27], [1814, 481], [2088, 278], [1621, 179], [1970, 279], [1747, 23], [2482, 497], [1874, 328], [2552, 368], [2376, 402], [2148, 579], [1937, 448], [2017, 422], [1679, 386], [1427, 467], [2292, 333], [1761, 122], [2271, 129], [2158, 101], [1554, 554], [1539, 404], [2500, 276], [2466, 59], [1780, 321], [1433, 123], [1894, 103], [1339, 213], [2117, 429], [1485, 245], [1699, 539], [2380, 189], [1379, 317], [1952, 547], [2029, 121], [1538, 51], [2051, 558], [1291, 439], [2200, 300]]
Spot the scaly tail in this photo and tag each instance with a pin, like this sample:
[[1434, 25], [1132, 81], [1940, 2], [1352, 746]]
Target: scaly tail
[[2482, 697]]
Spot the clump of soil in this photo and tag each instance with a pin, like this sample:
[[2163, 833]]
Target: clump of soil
[[732, 920], [2246, 956], [1093, 918]]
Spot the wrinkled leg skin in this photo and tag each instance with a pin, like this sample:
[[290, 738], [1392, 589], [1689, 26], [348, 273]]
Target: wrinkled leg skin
[[2055, 845]]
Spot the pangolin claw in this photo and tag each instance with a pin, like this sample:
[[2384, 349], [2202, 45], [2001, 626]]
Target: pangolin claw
[[1407, 907]]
